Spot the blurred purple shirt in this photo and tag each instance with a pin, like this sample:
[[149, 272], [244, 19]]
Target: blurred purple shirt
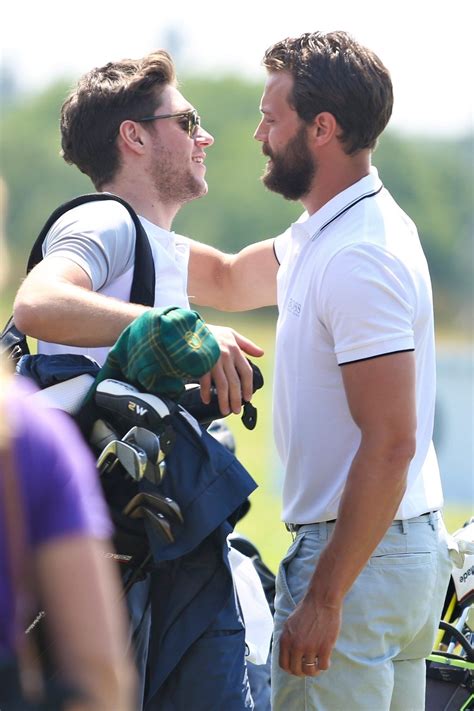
[[58, 483]]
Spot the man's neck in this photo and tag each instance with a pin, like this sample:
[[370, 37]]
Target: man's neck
[[144, 202], [334, 178]]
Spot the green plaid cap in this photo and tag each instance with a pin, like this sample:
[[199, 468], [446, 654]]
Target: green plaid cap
[[160, 349]]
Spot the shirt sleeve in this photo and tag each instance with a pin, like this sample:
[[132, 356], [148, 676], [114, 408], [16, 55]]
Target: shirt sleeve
[[367, 303], [98, 236], [281, 244]]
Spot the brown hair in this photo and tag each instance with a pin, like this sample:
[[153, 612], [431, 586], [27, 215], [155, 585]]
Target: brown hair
[[102, 100], [333, 73]]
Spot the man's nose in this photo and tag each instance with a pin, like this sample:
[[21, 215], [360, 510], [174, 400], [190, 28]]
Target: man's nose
[[203, 137], [260, 133]]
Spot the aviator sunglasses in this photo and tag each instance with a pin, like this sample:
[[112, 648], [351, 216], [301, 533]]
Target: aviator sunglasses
[[190, 120]]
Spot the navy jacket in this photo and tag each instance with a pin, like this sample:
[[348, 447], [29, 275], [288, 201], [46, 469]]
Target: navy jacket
[[192, 583]]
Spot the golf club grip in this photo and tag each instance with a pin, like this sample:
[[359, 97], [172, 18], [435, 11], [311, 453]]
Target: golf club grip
[[205, 413]]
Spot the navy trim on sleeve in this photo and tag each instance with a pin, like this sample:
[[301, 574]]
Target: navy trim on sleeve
[[379, 355], [274, 252]]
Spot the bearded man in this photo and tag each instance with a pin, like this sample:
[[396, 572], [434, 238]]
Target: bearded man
[[360, 592]]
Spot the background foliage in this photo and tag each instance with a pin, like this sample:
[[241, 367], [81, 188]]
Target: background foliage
[[432, 180]]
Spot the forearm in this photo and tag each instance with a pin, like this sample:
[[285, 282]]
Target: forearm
[[233, 282], [374, 489], [71, 315], [80, 590]]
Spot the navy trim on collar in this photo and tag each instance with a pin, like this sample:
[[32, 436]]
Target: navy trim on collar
[[372, 193]]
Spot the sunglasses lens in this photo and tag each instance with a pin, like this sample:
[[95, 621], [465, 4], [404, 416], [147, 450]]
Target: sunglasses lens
[[194, 123]]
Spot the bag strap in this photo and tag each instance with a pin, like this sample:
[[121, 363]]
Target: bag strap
[[143, 283]]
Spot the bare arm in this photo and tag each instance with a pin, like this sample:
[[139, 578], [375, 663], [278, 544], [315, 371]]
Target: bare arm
[[55, 303], [81, 593], [228, 282], [381, 397]]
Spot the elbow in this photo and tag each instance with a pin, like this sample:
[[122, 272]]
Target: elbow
[[400, 451], [29, 314], [23, 314], [395, 450]]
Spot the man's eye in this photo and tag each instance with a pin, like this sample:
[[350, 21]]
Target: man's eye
[[183, 122]]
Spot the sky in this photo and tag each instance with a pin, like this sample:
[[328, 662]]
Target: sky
[[426, 44]]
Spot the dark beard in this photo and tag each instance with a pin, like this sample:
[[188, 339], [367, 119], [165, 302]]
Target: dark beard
[[292, 170]]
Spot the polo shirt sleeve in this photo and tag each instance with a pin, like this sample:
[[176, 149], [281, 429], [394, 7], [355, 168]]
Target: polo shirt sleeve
[[98, 236], [280, 245], [367, 301]]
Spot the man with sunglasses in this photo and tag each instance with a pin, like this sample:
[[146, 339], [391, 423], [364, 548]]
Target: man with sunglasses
[[129, 129]]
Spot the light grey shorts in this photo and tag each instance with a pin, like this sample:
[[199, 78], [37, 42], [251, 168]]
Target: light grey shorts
[[390, 618]]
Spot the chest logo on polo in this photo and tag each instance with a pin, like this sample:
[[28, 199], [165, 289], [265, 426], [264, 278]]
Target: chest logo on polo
[[294, 307]]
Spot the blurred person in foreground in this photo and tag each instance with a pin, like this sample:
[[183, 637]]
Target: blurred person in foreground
[[360, 591], [54, 531]]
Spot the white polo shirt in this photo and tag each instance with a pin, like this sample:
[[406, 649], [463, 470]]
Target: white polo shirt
[[353, 284]]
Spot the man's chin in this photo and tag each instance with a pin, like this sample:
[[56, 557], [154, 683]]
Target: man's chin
[[276, 187], [202, 188], [199, 190]]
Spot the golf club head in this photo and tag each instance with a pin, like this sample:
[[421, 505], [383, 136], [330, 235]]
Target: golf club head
[[157, 520], [163, 469], [132, 458], [160, 504], [107, 456], [101, 434], [148, 441]]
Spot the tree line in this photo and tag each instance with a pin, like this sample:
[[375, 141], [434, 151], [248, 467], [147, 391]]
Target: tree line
[[431, 179]]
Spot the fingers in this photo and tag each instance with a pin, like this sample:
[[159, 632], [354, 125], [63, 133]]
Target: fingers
[[295, 661], [305, 643], [206, 381], [223, 388], [299, 664], [309, 665], [248, 346], [232, 375], [324, 659]]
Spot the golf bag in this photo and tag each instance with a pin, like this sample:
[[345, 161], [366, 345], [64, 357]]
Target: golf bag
[[174, 493], [131, 434], [450, 667]]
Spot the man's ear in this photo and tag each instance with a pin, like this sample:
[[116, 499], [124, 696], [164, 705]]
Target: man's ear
[[324, 128], [131, 134]]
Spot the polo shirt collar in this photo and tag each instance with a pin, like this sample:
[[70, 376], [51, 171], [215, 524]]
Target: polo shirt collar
[[309, 226]]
